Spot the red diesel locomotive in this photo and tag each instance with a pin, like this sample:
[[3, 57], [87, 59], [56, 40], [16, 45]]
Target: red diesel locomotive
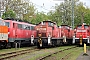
[[20, 32], [82, 35], [67, 34], [48, 34]]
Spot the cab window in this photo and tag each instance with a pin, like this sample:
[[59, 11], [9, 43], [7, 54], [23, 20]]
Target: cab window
[[26, 27], [32, 27], [85, 26], [50, 24], [79, 27], [7, 24], [20, 26]]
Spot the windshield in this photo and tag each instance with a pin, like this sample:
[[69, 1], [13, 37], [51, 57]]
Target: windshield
[[86, 26], [79, 27]]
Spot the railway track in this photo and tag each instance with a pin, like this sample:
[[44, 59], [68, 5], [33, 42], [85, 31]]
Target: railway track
[[63, 58], [16, 53], [66, 56]]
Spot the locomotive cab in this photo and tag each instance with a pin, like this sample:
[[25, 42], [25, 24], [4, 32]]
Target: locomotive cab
[[47, 33], [44, 32], [81, 35]]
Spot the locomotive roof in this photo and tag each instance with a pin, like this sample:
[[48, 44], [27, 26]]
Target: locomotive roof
[[48, 21], [65, 25], [19, 20], [81, 25], [24, 23]]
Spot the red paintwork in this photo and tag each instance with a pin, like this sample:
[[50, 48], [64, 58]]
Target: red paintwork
[[84, 32], [50, 34], [16, 32], [67, 31], [81, 34], [71, 33], [53, 31], [57, 32]]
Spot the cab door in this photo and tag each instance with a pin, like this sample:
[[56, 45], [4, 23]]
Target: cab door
[[15, 30]]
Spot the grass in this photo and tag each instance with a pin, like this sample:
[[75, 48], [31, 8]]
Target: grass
[[34, 55], [37, 54], [2, 51], [47, 52], [72, 56], [56, 49], [76, 54]]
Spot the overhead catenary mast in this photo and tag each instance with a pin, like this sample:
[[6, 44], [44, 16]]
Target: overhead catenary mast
[[72, 17]]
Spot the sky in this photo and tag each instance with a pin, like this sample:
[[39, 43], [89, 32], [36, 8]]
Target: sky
[[46, 5]]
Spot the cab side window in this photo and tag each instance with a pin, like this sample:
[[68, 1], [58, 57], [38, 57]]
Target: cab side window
[[50, 24], [32, 27], [7, 24], [28, 27], [20, 26]]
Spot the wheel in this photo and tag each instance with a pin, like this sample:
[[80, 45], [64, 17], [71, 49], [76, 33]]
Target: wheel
[[8, 45]]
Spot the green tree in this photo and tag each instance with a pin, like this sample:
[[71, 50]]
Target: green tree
[[87, 17], [62, 13], [23, 8], [38, 17], [9, 14], [56, 17], [81, 14], [29, 12]]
